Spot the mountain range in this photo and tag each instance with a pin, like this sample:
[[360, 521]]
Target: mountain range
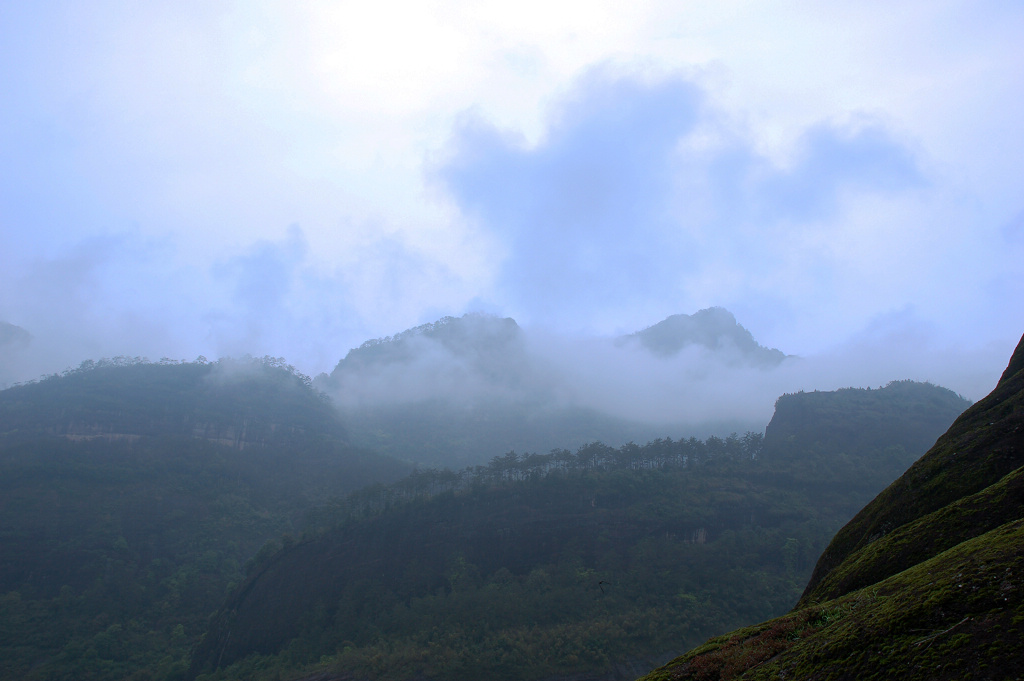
[[225, 520], [461, 390]]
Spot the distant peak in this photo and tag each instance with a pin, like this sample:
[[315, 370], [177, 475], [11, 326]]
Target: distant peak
[[474, 334], [476, 323], [714, 328], [11, 334]]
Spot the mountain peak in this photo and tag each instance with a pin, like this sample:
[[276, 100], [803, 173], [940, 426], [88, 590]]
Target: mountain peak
[[714, 328], [13, 335], [471, 335]]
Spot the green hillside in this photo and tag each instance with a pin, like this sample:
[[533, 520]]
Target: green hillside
[[133, 494], [239, 403], [924, 583], [588, 563]]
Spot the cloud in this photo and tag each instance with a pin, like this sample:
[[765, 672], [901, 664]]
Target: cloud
[[131, 295], [831, 159], [638, 188], [580, 211], [706, 387]]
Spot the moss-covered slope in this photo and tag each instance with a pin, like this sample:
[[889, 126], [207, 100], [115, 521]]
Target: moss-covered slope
[[924, 583], [983, 445], [959, 615]]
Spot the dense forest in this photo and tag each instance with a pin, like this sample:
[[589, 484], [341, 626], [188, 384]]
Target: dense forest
[[132, 494], [591, 562]]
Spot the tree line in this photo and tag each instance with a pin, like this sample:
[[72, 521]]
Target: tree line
[[511, 468]]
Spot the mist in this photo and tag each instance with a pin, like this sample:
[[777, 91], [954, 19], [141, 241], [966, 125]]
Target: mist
[[707, 387], [846, 190]]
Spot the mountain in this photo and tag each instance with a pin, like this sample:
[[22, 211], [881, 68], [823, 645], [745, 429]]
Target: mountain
[[903, 414], [584, 565], [132, 495], [487, 343], [461, 390], [923, 583], [238, 403], [11, 335], [14, 340], [714, 329]]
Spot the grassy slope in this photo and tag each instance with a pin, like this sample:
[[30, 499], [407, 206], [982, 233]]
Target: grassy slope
[[925, 581], [959, 615], [981, 447]]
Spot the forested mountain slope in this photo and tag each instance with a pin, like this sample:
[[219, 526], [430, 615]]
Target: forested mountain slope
[[132, 494], [924, 583], [234, 402], [569, 563]]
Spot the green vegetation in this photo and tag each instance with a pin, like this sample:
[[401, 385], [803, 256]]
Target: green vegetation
[[958, 615], [565, 563], [924, 583], [132, 496], [236, 402]]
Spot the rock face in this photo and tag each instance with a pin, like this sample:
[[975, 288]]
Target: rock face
[[926, 582], [714, 329]]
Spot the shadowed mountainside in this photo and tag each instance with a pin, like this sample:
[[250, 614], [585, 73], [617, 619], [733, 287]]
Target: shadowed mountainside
[[926, 582], [239, 403], [904, 414], [133, 494]]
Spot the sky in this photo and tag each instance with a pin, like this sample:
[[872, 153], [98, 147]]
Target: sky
[[290, 179]]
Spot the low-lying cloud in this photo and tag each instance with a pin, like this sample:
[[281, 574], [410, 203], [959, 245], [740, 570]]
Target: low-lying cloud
[[703, 388]]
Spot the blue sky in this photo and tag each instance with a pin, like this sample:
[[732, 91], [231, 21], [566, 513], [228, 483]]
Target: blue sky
[[291, 179]]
